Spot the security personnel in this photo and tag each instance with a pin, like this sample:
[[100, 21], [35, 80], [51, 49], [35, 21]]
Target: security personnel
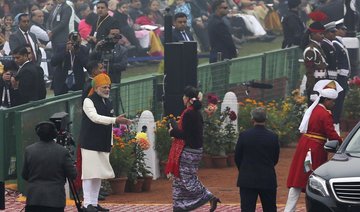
[[329, 50], [314, 57], [343, 70]]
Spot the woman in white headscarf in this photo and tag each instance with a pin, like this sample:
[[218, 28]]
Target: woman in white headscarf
[[316, 127]]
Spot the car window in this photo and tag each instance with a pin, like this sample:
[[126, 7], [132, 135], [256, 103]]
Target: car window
[[354, 145]]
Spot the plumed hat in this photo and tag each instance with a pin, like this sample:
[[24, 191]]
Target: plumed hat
[[317, 17]]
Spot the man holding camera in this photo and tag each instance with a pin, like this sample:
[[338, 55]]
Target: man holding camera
[[69, 62], [7, 92], [46, 167], [112, 54]]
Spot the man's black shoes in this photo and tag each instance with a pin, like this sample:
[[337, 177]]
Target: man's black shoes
[[99, 208], [90, 208]]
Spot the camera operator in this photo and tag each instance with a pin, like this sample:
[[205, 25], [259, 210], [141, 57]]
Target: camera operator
[[69, 62], [7, 92], [46, 167], [112, 54]]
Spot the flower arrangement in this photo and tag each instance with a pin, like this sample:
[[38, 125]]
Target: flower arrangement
[[352, 99], [284, 116], [121, 156], [219, 131], [162, 137], [127, 155], [139, 169]]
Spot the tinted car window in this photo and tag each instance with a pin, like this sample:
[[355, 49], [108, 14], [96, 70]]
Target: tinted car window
[[353, 147]]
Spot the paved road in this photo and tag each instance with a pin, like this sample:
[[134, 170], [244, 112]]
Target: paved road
[[12, 205]]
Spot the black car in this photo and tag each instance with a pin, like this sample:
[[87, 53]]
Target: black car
[[335, 186]]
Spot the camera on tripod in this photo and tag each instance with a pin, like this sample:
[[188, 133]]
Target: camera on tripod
[[62, 123], [64, 138]]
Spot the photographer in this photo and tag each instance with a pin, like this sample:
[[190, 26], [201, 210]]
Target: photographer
[[69, 62], [112, 54], [7, 92], [46, 165]]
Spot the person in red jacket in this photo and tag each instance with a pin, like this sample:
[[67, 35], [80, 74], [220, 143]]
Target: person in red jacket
[[316, 127]]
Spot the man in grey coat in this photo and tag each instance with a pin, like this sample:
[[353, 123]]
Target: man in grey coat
[[46, 167]]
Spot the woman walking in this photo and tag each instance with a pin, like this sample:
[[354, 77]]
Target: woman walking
[[185, 155]]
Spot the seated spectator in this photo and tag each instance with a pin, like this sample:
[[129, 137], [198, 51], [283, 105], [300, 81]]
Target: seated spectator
[[135, 9], [257, 9], [121, 15], [152, 16], [8, 28], [182, 6]]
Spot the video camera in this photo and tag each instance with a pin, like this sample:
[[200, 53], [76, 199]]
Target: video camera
[[108, 43], [64, 137]]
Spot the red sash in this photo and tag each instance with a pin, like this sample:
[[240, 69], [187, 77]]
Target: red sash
[[177, 146]]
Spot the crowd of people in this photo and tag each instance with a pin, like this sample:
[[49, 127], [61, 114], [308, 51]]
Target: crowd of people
[[64, 35]]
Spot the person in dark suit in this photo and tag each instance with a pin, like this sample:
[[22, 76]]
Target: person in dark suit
[[23, 36], [293, 26], [58, 23], [101, 28], [28, 82], [256, 154], [69, 62], [46, 167], [219, 34], [181, 32]]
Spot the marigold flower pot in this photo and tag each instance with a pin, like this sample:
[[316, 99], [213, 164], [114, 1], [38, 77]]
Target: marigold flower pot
[[118, 185]]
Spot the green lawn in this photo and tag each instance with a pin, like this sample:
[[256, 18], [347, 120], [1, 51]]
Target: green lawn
[[248, 48]]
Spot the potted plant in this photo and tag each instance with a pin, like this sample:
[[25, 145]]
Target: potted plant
[[219, 131], [163, 141], [121, 158], [137, 171]]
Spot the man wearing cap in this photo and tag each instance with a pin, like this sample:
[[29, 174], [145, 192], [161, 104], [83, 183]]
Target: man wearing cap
[[293, 26], [343, 71], [329, 50], [46, 167], [316, 127], [314, 57], [96, 140]]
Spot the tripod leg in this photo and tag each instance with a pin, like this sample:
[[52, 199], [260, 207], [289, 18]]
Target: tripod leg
[[75, 195]]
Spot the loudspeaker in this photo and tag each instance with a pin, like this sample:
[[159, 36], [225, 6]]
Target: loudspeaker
[[180, 71]]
